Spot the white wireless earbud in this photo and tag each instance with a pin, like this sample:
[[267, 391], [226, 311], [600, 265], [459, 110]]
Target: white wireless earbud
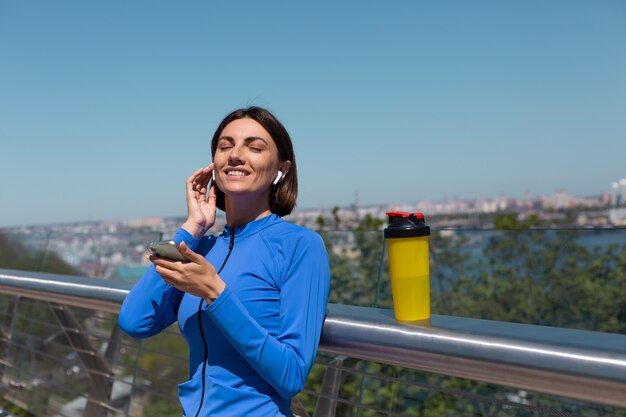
[[278, 177], [213, 175]]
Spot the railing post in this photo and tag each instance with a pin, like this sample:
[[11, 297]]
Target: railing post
[[113, 349], [326, 405], [6, 335], [297, 408]]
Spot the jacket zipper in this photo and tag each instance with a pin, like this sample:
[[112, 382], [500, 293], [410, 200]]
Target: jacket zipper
[[204, 342]]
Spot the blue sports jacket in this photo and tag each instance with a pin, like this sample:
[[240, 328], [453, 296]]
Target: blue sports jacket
[[261, 333]]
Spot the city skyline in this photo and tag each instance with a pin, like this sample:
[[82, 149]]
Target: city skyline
[[559, 199], [106, 109]]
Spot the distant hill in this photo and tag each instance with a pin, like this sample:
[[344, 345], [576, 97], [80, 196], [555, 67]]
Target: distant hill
[[14, 255]]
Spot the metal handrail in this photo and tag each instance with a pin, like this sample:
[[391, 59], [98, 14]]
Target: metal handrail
[[578, 364]]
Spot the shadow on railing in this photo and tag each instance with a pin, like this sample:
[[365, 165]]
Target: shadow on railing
[[75, 361]]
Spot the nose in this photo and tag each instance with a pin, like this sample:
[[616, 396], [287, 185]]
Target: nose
[[234, 157]]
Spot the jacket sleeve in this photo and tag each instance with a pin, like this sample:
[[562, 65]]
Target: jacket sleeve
[[152, 305], [284, 361]]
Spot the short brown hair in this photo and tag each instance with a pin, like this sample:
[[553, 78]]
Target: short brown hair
[[283, 195]]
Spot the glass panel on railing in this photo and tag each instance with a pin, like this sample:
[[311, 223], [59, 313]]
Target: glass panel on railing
[[45, 375], [556, 277], [155, 366], [41, 370], [31, 252], [115, 252], [355, 262], [562, 278]]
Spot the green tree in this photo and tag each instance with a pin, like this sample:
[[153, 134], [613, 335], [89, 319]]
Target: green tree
[[163, 408], [319, 220], [355, 259], [510, 221], [14, 255], [336, 218]]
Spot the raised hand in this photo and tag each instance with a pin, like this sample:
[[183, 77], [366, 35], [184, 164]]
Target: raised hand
[[196, 277], [200, 202]]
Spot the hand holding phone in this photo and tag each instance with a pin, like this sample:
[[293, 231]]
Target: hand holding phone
[[166, 249]]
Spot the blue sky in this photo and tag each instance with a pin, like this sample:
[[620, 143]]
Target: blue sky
[[107, 107]]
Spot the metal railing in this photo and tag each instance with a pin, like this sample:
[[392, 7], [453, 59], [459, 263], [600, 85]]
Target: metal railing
[[584, 365]]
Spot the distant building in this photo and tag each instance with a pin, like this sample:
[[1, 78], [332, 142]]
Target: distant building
[[145, 222], [618, 193], [617, 213], [559, 200]]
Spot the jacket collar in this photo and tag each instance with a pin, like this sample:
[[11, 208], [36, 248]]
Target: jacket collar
[[252, 227]]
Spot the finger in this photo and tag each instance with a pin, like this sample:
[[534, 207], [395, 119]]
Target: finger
[[196, 173], [200, 184], [190, 185], [172, 280], [212, 200], [203, 179], [165, 273], [193, 180], [208, 174], [165, 264], [201, 187], [188, 253], [156, 260]]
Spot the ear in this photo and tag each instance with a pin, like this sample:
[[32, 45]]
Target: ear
[[285, 166]]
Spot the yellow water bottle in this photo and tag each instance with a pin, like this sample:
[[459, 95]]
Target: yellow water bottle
[[407, 241]]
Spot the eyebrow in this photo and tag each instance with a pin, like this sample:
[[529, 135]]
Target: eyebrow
[[247, 140]]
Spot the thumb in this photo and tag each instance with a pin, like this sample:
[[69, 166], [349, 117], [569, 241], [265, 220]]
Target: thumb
[[188, 253]]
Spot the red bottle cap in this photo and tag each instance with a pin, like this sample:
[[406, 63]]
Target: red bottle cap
[[400, 214], [403, 224]]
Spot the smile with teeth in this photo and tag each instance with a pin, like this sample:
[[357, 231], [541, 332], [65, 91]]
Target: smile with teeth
[[236, 173]]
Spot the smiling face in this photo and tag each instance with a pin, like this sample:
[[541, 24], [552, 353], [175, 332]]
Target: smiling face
[[246, 161]]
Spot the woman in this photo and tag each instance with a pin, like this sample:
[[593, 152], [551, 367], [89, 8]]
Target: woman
[[251, 301]]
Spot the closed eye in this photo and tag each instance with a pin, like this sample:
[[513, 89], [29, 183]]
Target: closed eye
[[256, 144], [225, 143]]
